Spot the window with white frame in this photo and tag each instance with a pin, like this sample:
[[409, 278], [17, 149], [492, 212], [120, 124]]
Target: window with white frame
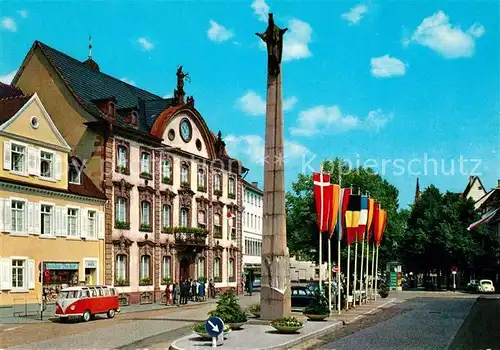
[[121, 161], [166, 216], [166, 267], [92, 224], [217, 270], [121, 210], [19, 274], [184, 174], [217, 225], [166, 169], [202, 219], [46, 164], [184, 217], [230, 185], [145, 212], [18, 158], [74, 176], [200, 268], [18, 209], [218, 182], [72, 222], [144, 267], [121, 263], [46, 213], [201, 179], [145, 163], [230, 269]]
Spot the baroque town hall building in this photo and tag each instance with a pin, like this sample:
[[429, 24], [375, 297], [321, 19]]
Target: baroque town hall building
[[174, 194]]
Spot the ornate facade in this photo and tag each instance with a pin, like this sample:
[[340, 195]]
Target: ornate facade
[[174, 194]]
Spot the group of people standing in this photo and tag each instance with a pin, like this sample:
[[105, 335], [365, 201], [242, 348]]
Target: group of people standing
[[179, 293]]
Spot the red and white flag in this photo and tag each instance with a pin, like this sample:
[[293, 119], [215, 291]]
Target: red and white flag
[[485, 218], [323, 198]]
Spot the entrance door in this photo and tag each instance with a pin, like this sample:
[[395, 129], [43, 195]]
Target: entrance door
[[184, 268]]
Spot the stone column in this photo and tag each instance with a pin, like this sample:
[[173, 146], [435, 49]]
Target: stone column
[[275, 298]]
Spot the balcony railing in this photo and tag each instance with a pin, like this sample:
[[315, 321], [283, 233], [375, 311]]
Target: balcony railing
[[189, 235]]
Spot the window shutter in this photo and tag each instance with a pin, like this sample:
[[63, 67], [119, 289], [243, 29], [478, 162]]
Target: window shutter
[[33, 165], [57, 166], [6, 274], [31, 274], [64, 221], [7, 213], [31, 218], [2, 201], [36, 219], [83, 223], [6, 155], [58, 221], [100, 223]]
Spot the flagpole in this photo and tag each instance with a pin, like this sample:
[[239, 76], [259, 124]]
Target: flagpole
[[339, 300], [361, 270], [330, 274], [376, 269], [373, 276], [355, 285], [367, 265], [348, 274], [320, 235]]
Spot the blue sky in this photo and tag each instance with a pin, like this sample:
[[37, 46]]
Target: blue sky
[[367, 81]]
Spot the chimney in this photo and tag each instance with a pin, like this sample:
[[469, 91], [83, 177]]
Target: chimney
[[256, 184], [471, 178], [498, 183]]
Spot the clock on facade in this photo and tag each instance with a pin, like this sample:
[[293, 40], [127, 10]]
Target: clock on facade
[[185, 130]]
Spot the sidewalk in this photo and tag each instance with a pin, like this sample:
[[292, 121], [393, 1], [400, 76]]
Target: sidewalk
[[263, 337]]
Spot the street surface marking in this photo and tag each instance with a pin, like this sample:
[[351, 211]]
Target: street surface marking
[[11, 329]]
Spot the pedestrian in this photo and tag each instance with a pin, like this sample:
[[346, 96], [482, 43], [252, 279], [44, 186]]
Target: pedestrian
[[177, 293], [194, 290], [211, 288], [183, 291], [187, 291], [167, 294], [201, 291]]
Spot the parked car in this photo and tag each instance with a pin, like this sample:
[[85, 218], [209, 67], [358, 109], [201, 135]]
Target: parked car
[[486, 286], [473, 286], [256, 283], [301, 296]]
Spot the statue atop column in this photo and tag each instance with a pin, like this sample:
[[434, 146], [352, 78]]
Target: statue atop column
[[179, 93], [273, 37]]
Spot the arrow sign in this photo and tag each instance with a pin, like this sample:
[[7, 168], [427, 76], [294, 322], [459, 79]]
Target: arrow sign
[[214, 326]]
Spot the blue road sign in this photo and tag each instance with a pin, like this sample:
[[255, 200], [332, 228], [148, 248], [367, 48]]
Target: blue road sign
[[214, 326]]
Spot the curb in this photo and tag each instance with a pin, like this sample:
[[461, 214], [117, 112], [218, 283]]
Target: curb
[[289, 344]]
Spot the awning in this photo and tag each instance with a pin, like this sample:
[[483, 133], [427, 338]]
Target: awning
[[485, 218]]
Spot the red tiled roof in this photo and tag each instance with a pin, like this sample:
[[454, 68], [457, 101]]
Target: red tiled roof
[[10, 105], [9, 91]]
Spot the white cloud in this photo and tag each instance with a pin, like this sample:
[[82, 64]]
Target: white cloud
[[128, 81], [296, 41], [437, 33], [7, 78], [253, 104], [23, 13], [9, 24], [252, 147], [354, 15], [145, 43], [387, 66], [218, 33], [330, 120], [260, 9]]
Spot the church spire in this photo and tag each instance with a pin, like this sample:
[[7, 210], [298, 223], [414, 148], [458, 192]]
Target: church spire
[[417, 190], [90, 46], [90, 61]]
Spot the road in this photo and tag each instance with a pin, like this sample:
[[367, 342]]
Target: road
[[425, 323]]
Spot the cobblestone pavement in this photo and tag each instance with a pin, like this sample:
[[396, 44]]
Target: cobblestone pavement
[[418, 323], [123, 330]]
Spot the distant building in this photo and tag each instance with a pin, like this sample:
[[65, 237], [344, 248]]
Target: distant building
[[304, 271], [252, 228], [474, 189]]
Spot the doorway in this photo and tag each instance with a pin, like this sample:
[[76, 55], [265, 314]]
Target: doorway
[[184, 268]]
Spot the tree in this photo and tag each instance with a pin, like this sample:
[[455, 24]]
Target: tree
[[302, 230]]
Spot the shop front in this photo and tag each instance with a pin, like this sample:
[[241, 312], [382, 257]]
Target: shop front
[[91, 271], [59, 275]]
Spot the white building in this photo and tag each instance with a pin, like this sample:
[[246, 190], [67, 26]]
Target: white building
[[252, 228]]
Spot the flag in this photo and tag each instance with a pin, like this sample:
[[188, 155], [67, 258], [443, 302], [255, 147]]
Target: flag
[[352, 217], [485, 218], [363, 218], [230, 217], [379, 229], [369, 221], [322, 197], [344, 201], [334, 210], [371, 232]]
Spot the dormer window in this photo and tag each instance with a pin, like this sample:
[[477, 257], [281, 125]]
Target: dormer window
[[111, 109], [75, 176], [134, 117]]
